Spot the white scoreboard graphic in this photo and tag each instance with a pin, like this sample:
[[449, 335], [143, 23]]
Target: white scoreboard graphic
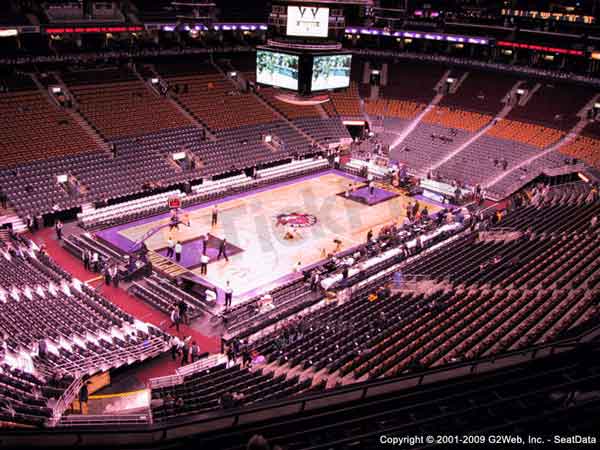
[[307, 21]]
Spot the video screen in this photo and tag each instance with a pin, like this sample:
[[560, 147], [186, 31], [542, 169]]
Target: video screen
[[331, 72], [277, 69], [307, 21]]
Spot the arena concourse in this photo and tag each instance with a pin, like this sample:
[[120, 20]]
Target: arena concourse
[[299, 224]]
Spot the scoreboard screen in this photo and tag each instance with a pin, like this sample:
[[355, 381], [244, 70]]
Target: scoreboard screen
[[307, 21], [330, 72], [277, 69]]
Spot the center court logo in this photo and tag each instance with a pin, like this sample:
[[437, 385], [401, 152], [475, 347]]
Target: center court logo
[[296, 220]]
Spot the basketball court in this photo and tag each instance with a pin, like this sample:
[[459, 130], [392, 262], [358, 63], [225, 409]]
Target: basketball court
[[312, 211]]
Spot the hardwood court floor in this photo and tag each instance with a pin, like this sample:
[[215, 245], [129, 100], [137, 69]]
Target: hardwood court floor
[[250, 222]]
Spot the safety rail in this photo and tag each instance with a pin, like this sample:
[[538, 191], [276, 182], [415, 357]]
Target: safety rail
[[202, 364], [65, 400], [90, 420], [166, 381]]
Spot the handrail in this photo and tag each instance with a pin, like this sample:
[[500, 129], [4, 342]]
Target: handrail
[[165, 381], [67, 397], [202, 364], [81, 420]]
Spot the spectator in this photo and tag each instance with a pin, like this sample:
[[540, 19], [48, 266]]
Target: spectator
[[58, 227], [95, 261], [185, 353], [246, 357], [114, 274], [107, 275], [182, 307], [230, 355], [83, 398], [175, 344], [86, 259], [175, 318], [195, 351]]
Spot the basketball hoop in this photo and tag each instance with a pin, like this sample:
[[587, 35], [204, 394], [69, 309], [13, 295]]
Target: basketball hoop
[[174, 202]]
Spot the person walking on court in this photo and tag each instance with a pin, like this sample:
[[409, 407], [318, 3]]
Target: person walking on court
[[204, 239], [170, 247], [204, 259], [228, 295], [178, 250], [223, 250], [369, 236], [215, 216], [371, 187]]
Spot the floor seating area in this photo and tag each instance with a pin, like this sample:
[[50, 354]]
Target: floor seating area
[[298, 167], [164, 296], [128, 211], [210, 189], [78, 243]]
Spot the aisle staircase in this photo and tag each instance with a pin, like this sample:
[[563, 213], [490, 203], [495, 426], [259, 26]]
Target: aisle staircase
[[176, 103], [75, 113]]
